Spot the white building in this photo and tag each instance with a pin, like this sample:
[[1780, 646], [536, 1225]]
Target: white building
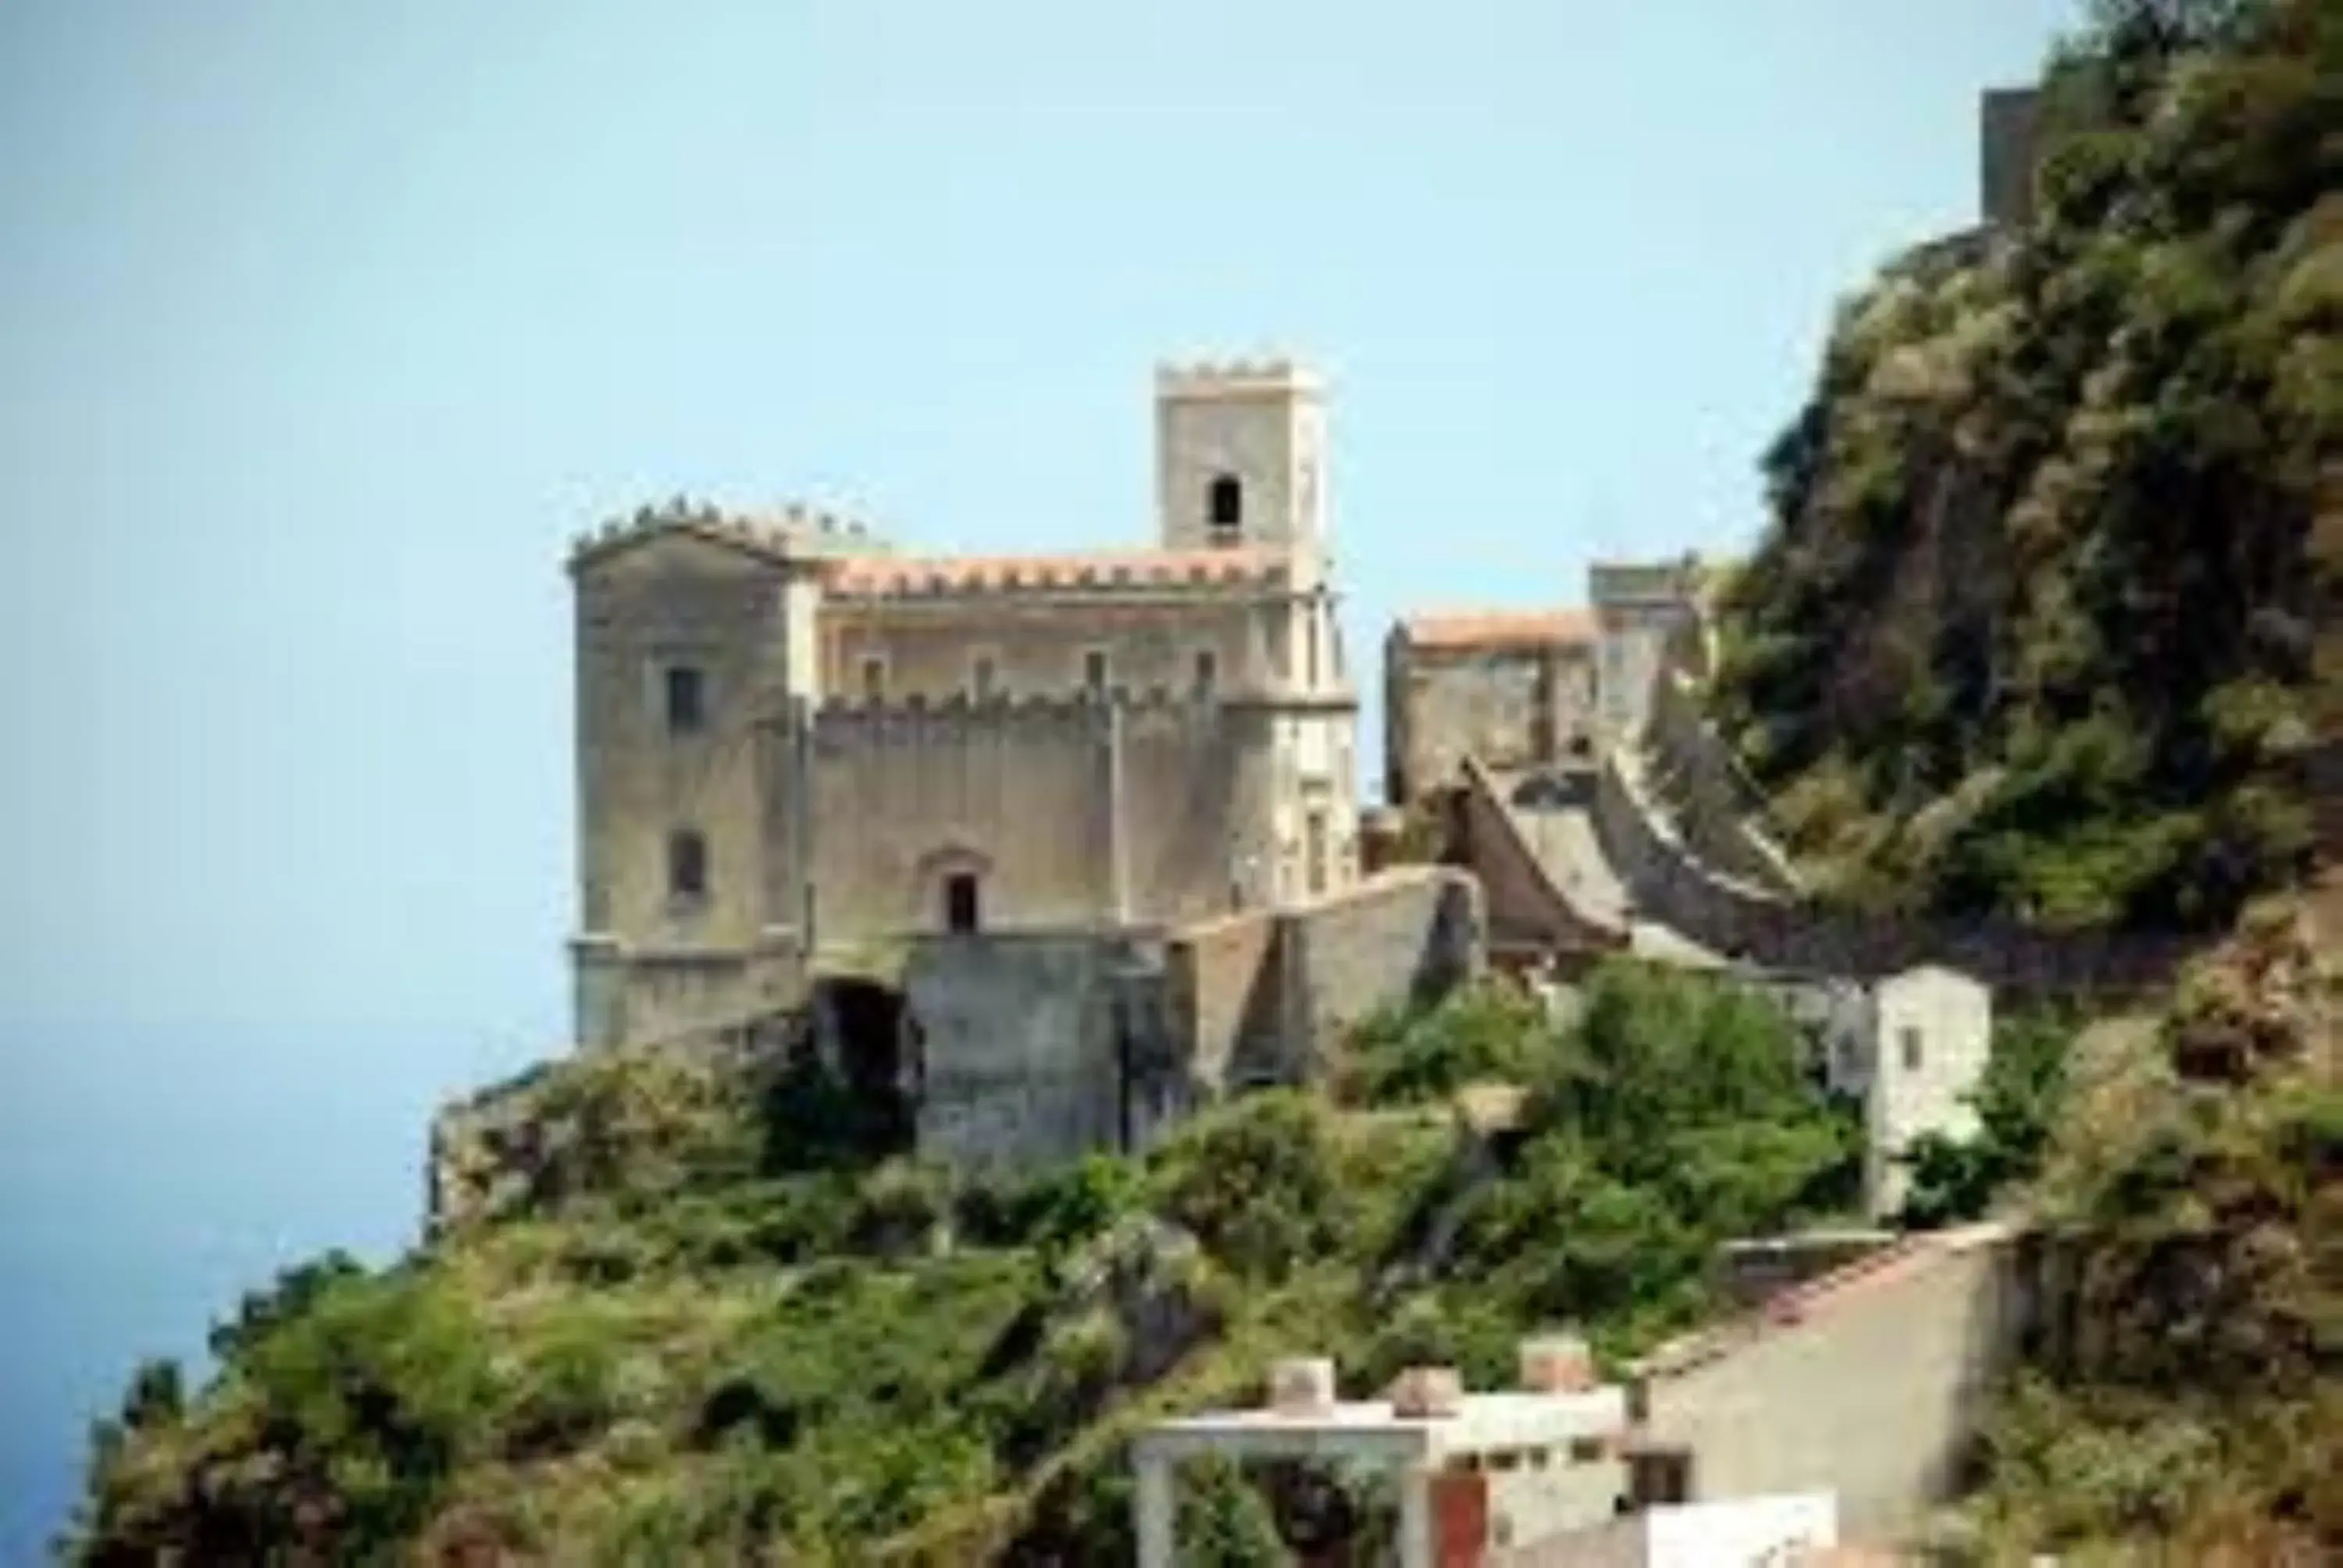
[[1734, 1532], [1911, 1046]]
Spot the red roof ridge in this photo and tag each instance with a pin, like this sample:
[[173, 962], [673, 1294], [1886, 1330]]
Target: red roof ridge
[[1489, 627], [1154, 565]]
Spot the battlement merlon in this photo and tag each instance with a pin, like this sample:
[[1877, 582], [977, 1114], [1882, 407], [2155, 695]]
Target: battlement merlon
[[842, 713], [1627, 584], [1204, 380], [793, 531]]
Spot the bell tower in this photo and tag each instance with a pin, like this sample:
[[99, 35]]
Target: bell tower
[[1240, 455]]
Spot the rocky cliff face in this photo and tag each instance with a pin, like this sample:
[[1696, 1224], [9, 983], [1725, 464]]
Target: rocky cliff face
[[2048, 618]]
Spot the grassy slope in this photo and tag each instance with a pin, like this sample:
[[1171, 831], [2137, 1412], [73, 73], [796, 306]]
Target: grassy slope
[[2050, 606]]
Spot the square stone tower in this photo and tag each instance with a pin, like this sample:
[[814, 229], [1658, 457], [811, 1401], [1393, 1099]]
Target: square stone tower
[[1240, 456], [1644, 609]]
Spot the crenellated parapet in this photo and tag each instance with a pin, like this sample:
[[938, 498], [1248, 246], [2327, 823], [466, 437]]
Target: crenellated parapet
[[794, 531], [1234, 378], [840, 715], [1102, 574], [1644, 583]]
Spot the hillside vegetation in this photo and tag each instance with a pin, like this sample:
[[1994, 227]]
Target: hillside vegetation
[[2047, 618], [686, 1340], [2187, 1404]]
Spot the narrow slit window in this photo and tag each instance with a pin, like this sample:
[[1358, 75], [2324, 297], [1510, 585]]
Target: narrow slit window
[[1208, 671], [874, 678], [1095, 672], [687, 700], [984, 681], [686, 864], [1911, 1038]]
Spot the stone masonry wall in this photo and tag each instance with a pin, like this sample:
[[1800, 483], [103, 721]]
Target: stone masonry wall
[[1264, 998], [677, 601], [1035, 645], [1034, 1046], [1035, 797], [1020, 1058], [1509, 707], [1222, 983], [1671, 886], [1408, 935], [1712, 802], [1526, 908], [640, 997]]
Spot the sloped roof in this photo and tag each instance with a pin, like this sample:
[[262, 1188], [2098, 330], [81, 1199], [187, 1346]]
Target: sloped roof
[[1827, 1293], [1499, 629], [875, 577]]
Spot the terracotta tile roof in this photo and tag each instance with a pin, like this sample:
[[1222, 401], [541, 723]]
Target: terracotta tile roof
[[878, 576], [1499, 629]]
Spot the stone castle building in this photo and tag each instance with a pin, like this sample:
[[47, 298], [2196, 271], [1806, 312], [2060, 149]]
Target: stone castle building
[[795, 741], [1527, 691]]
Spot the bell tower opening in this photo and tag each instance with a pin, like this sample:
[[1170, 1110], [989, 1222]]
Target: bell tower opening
[[1226, 508], [1240, 455]]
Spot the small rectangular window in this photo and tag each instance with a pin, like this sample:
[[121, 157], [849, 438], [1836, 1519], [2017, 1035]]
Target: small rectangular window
[[686, 699], [874, 678], [981, 681], [686, 864], [1911, 1050], [1094, 671], [1208, 671]]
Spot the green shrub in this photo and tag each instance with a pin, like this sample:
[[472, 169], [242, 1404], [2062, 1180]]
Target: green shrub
[[1255, 1181], [1413, 1054]]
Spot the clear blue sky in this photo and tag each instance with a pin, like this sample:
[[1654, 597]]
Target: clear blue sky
[[322, 327]]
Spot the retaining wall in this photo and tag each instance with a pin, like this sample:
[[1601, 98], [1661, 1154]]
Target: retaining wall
[[1526, 907], [1738, 919], [1715, 804], [1262, 997]]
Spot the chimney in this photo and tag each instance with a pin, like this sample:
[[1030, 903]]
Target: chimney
[[1422, 1394], [1557, 1363], [1301, 1386]]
